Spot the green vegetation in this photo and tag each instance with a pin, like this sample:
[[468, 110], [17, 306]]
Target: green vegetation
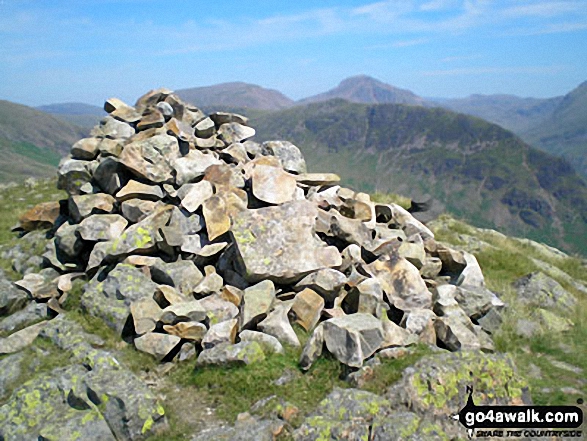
[[504, 260], [479, 171], [20, 160]]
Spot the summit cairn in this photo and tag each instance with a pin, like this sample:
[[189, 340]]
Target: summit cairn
[[199, 242]]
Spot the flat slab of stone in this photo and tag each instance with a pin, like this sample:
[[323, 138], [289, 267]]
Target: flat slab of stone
[[279, 243]]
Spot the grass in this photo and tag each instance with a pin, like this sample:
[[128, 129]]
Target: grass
[[505, 260]]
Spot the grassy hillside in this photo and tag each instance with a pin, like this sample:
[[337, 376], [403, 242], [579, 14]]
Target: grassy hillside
[[79, 114], [21, 160], [480, 171], [564, 132], [20, 123]]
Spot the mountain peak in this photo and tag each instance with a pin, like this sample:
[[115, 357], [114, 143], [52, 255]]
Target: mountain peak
[[368, 90]]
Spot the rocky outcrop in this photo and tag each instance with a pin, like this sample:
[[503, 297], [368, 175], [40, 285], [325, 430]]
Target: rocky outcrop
[[193, 235]]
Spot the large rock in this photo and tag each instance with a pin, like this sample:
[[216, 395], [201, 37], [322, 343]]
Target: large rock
[[272, 184], [152, 158], [183, 275], [102, 227], [193, 165], [257, 301], [234, 132], [279, 243], [43, 215], [540, 290], [110, 299], [82, 206], [277, 324], [353, 338], [158, 345], [11, 298], [308, 306], [290, 156], [402, 283], [245, 352]]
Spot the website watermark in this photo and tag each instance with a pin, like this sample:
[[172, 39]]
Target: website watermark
[[520, 421]]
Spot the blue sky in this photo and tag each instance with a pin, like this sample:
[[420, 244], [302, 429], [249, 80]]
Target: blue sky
[[88, 50]]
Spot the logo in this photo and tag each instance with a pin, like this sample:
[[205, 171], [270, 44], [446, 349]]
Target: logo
[[515, 421]]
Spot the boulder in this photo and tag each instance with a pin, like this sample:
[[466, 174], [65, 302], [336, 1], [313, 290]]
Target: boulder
[[41, 216], [158, 345], [152, 158], [234, 132], [540, 290], [277, 324], [138, 190], [102, 227], [278, 243], [307, 306], [257, 301], [269, 343], [82, 206], [183, 275], [272, 184], [353, 338]]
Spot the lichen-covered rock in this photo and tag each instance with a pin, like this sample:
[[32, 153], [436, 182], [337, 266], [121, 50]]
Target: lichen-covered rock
[[269, 343], [245, 352], [290, 156], [278, 243], [110, 299], [183, 275], [257, 301], [152, 158], [437, 385], [540, 290], [12, 299], [348, 414], [247, 429]]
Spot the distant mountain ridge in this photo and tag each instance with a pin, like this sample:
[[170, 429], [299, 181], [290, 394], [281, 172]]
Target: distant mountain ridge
[[509, 111], [80, 114], [236, 94], [564, 131], [479, 170], [367, 90]]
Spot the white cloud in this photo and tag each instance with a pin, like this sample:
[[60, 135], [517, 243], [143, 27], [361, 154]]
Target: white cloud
[[545, 9]]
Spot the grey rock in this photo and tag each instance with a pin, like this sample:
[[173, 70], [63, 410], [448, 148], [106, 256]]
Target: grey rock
[[540, 290], [277, 324], [109, 175], [181, 312], [184, 275], [85, 148], [32, 313], [21, 339], [135, 210], [111, 128], [102, 227], [157, 345], [245, 352], [82, 206], [220, 118], [11, 298], [257, 301], [152, 158], [353, 338], [138, 190], [110, 299], [219, 333], [313, 348], [269, 343], [193, 165], [290, 156], [284, 236], [249, 429], [234, 132], [72, 175], [67, 240], [326, 282], [205, 128]]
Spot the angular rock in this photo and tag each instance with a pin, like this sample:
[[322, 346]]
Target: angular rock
[[313, 348], [152, 158], [145, 314], [220, 118], [135, 210], [191, 311], [192, 331], [182, 275], [234, 132], [110, 299], [353, 338], [111, 128], [273, 185], [82, 206], [205, 128], [290, 156], [217, 219], [38, 286], [245, 352], [307, 307], [158, 345], [193, 165], [196, 195], [220, 333], [21, 339], [278, 243], [138, 190], [41, 216], [471, 275], [218, 310], [318, 179], [394, 335], [72, 175], [277, 324], [326, 282], [29, 315], [86, 149], [12, 299], [102, 227], [269, 343], [402, 283], [257, 301]]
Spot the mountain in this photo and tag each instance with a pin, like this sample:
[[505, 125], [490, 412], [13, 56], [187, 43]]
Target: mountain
[[81, 114], [480, 171], [564, 132], [236, 94], [32, 142], [364, 89], [509, 111]]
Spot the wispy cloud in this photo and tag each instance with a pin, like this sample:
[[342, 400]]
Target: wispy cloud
[[545, 9], [460, 58]]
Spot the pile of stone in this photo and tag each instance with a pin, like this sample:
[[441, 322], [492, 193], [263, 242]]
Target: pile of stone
[[198, 242]]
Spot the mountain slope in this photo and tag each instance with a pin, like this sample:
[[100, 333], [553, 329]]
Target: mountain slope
[[32, 142], [236, 94], [564, 132], [20, 123], [364, 89], [509, 111], [480, 171], [81, 114]]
